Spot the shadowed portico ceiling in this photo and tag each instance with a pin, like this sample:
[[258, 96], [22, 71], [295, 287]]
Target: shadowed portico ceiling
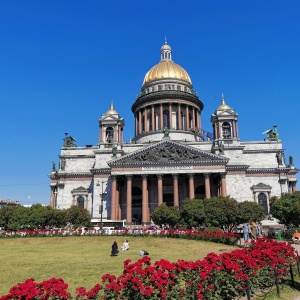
[[168, 153]]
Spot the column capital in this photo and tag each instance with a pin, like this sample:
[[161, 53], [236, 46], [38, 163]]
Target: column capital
[[223, 175], [175, 175], [129, 177], [191, 175], [206, 175], [160, 176], [282, 181], [113, 177], [144, 176]]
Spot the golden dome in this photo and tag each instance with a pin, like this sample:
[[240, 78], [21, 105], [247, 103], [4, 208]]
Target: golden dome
[[223, 106], [166, 68], [111, 111]]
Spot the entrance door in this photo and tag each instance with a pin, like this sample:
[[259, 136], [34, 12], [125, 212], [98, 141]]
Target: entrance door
[[263, 201], [136, 205]]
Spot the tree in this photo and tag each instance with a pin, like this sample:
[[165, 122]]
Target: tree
[[286, 208], [56, 218], [166, 215], [19, 219], [77, 216], [249, 212], [192, 213], [38, 215], [6, 213], [221, 212]]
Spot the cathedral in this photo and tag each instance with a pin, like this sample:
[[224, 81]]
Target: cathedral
[[170, 158]]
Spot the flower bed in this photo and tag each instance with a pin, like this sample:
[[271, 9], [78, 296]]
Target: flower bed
[[215, 277]]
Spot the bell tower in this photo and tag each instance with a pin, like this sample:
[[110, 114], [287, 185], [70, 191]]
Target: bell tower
[[225, 123], [111, 127]]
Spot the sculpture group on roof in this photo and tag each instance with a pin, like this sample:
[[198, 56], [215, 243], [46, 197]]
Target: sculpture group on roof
[[69, 141], [273, 135]]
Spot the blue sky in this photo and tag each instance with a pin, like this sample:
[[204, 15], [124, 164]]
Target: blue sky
[[63, 62]]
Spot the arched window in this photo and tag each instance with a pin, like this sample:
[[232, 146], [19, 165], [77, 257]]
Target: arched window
[[159, 87], [80, 201], [178, 87], [109, 135], [166, 119], [263, 201], [226, 130]]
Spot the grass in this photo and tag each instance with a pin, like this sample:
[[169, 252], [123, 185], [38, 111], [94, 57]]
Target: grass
[[81, 261]]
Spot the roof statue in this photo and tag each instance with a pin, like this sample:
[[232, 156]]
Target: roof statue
[[166, 132], [273, 135], [114, 150], [221, 147], [69, 141], [53, 166]]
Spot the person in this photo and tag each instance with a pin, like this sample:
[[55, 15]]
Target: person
[[143, 252], [125, 245], [258, 230], [114, 249], [246, 233], [253, 231], [296, 237]]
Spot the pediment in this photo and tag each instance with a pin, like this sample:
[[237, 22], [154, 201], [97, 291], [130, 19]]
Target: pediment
[[80, 189], [261, 186], [170, 153], [110, 117], [224, 113]]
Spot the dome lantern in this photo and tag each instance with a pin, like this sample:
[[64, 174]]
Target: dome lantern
[[167, 68], [166, 52]]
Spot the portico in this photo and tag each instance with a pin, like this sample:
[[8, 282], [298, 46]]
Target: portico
[[165, 172]]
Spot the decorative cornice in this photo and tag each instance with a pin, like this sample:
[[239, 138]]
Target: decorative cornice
[[77, 156], [262, 151], [237, 167], [261, 170], [173, 94], [101, 171], [231, 147], [70, 175]]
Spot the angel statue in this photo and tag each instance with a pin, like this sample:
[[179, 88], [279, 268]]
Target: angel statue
[[69, 141], [273, 135], [166, 132]]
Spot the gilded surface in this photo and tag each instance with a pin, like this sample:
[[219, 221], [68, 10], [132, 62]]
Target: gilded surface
[[167, 69]]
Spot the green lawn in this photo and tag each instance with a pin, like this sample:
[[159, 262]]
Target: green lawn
[[81, 261]]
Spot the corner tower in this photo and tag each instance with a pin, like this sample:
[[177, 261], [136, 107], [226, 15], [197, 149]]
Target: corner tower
[[111, 127], [167, 101], [225, 123]]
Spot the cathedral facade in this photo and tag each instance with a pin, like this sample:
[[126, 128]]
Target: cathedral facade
[[170, 158]]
